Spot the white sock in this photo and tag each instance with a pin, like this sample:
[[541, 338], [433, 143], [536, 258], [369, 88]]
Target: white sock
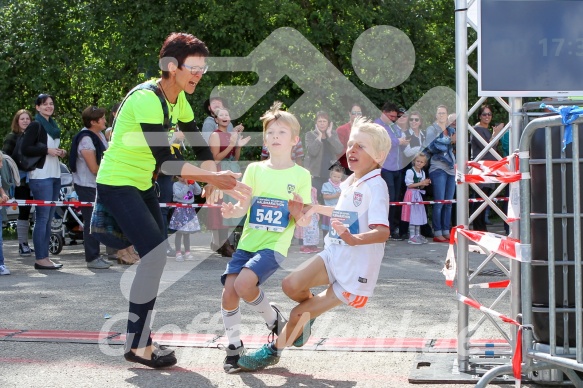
[[232, 323], [261, 306]]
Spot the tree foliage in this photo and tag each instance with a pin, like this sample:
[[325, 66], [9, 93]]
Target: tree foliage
[[93, 52]]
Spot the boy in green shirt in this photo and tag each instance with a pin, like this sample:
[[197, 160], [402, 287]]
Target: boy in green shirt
[[278, 188]]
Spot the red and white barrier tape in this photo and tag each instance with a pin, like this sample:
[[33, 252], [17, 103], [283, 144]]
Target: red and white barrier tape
[[32, 202], [499, 284], [493, 171], [502, 245], [517, 357]]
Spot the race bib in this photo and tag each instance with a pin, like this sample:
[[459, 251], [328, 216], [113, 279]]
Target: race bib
[[349, 219], [269, 214]]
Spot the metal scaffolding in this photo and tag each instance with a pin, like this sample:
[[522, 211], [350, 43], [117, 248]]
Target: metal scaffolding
[[470, 320]]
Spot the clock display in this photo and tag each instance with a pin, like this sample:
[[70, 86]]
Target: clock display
[[530, 48]]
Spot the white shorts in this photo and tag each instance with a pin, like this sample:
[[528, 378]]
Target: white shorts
[[356, 301]]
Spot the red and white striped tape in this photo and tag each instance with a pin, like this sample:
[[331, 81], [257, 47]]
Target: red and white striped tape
[[27, 202], [493, 171], [503, 245], [499, 284], [32, 202], [517, 357]]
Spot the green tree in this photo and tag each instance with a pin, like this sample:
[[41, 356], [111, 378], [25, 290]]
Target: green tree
[[94, 52]]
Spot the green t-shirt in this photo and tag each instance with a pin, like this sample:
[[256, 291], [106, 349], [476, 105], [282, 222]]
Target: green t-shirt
[[129, 161], [270, 187]]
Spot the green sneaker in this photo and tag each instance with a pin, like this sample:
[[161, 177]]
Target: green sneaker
[[258, 359], [305, 336]]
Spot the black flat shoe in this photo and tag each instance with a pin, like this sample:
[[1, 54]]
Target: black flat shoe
[[54, 266], [161, 358]]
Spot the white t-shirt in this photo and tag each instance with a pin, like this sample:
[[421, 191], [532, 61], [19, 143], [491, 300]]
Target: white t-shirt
[[356, 268], [83, 176], [52, 166]]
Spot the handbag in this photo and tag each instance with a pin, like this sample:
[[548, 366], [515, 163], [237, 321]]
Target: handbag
[[104, 228], [24, 162]]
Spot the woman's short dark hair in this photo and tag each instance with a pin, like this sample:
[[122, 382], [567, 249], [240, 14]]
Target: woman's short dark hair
[[177, 47], [483, 108], [41, 99], [322, 114], [207, 105], [92, 113]]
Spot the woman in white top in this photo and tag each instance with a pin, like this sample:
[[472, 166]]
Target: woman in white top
[[42, 138]]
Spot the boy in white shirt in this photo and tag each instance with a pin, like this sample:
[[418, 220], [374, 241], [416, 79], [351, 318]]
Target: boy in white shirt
[[354, 248]]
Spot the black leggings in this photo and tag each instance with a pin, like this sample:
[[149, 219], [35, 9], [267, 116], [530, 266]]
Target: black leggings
[[23, 192]]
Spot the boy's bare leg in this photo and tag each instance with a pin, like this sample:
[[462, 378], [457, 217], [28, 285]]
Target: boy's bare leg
[[302, 313], [311, 273], [230, 299], [246, 285]]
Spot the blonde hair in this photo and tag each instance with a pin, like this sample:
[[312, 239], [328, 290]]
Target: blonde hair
[[276, 114], [419, 154], [381, 141]]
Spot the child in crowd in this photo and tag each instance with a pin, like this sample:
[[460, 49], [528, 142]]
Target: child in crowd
[[311, 233], [184, 219], [415, 214], [3, 198], [278, 188], [331, 191], [350, 262]]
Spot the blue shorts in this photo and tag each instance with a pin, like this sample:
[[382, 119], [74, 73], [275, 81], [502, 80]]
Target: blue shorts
[[263, 263]]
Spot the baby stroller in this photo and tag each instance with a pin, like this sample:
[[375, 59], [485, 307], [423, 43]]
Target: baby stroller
[[67, 224]]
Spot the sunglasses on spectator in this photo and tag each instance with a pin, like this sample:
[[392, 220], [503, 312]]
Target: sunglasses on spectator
[[356, 113], [486, 114], [194, 70], [414, 119]]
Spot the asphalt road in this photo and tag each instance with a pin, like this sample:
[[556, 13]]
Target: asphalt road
[[411, 312]]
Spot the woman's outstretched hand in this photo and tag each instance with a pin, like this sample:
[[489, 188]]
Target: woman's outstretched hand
[[225, 181]]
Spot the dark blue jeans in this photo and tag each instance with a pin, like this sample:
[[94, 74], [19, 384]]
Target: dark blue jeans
[[393, 181], [443, 188], [90, 244], [138, 215], [46, 190]]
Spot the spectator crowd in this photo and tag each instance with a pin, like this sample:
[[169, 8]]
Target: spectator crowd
[[420, 166]]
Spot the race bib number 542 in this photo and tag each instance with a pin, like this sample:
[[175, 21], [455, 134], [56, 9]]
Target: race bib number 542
[[269, 214]]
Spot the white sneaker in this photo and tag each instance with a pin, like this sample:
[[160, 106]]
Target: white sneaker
[[179, 257], [188, 256], [423, 239], [4, 270], [414, 240]]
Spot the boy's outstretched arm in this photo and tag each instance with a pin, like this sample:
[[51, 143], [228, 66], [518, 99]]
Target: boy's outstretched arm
[[298, 210], [322, 209], [230, 210], [378, 234]]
